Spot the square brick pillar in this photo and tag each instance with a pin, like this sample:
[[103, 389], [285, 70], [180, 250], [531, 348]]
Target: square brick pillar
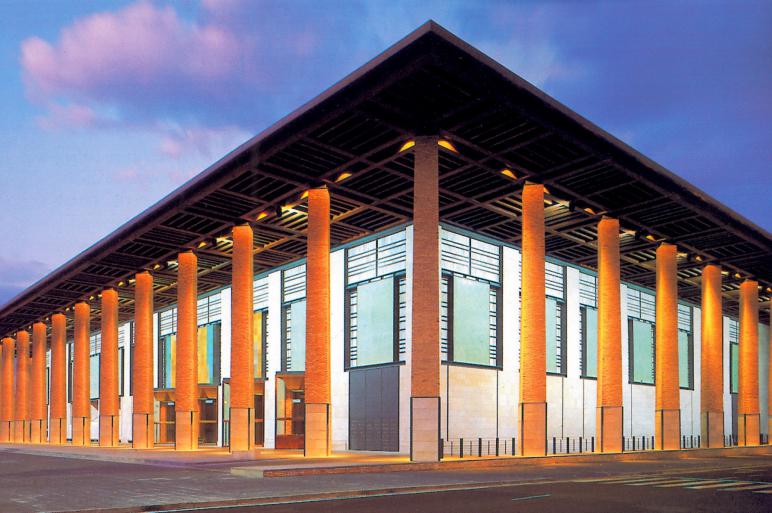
[[186, 410], [143, 421], [748, 417], [57, 433], [318, 436], [711, 360], [81, 375], [667, 422], [425, 351], [6, 390], [38, 412], [109, 420], [21, 431], [533, 338], [242, 413], [609, 393]]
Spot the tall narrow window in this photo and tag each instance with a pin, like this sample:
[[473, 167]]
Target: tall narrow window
[[588, 304], [734, 356], [589, 342], [641, 351], [95, 347], [294, 319], [685, 348], [208, 350], [555, 276]]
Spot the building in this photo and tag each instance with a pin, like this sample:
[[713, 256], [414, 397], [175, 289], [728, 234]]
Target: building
[[431, 250]]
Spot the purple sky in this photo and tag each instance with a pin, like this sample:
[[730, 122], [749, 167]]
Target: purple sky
[[107, 106]]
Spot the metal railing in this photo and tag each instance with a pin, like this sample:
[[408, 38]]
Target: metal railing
[[569, 445], [477, 447]]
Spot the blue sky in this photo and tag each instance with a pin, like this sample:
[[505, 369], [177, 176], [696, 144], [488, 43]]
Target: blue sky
[[107, 106]]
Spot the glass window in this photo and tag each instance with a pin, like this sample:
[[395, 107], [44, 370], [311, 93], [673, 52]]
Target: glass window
[[685, 355], [371, 318], [94, 377], [295, 336], [734, 375], [120, 371], [589, 342], [208, 339], [555, 336], [260, 340], [471, 321], [167, 349], [641, 352]]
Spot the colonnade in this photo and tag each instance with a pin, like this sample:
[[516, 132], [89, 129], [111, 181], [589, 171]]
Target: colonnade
[[24, 417]]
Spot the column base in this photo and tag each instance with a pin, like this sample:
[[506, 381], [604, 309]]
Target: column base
[[20, 432], [6, 431], [533, 429], [57, 432], [142, 431], [81, 431], [242, 429], [425, 429], [712, 429], [748, 429], [667, 429], [38, 431], [109, 434], [317, 437], [609, 428], [186, 427]]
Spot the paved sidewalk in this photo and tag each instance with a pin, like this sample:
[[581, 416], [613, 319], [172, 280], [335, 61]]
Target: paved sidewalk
[[56, 482]]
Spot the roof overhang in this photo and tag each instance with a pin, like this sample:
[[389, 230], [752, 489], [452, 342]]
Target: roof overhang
[[349, 139]]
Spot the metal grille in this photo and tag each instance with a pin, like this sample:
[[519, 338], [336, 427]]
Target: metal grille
[[685, 318], [294, 283], [167, 322], [95, 344], [209, 309], [588, 290], [470, 257], [555, 280], [380, 257], [260, 294], [641, 305]]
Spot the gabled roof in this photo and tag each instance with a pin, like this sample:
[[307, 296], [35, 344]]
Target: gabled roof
[[349, 138]]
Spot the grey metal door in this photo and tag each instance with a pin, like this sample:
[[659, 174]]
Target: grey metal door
[[374, 409]]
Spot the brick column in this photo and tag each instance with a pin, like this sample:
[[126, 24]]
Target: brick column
[[711, 359], [37, 387], [81, 376], [667, 426], [609, 408], [6, 392], [142, 364], [186, 382], [748, 397], [425, 340], [109, 418], [242, 418], [533, 363], [58, 381], [317, 379], [21, 424]]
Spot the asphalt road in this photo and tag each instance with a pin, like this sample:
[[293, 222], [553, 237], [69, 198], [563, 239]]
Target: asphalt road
[[743, 488], [30, 483]]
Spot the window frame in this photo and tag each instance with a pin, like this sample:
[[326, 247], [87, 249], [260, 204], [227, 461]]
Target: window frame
[[497, 289], [583, 357], [396, 278], [631, 351]]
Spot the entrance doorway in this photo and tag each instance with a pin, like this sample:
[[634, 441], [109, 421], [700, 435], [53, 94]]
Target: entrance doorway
[[290, 411], [164, 417]]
